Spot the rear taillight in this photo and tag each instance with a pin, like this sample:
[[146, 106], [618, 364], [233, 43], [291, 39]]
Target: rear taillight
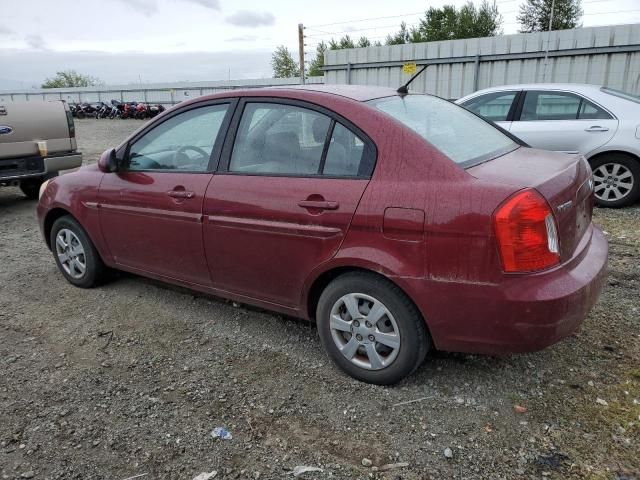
[[70, 124], [526, 232]]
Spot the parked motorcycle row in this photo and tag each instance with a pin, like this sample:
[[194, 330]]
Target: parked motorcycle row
[[115, 109]]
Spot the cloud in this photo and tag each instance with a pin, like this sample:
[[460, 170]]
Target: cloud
[[146, 7], [245, 18], [23, 68], [35, 41], [151, 7], [5, 30], [212, 4], [243, 38]]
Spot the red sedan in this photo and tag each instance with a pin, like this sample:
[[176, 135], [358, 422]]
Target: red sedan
[[399, 223]]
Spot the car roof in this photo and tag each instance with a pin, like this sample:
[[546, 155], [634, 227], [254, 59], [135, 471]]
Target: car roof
[[573, 87], [360, 93]]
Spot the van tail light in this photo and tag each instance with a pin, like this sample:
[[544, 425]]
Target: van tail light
[[70, 124], [526, 233]]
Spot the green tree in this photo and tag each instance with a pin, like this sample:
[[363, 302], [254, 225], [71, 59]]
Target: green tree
[[450, 23], [315, 68], [71, 78], [283, 64], [344, 42], [534, 15], [400, 37]]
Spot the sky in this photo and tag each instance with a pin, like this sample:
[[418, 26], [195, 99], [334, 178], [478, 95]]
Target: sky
[[151, 41]]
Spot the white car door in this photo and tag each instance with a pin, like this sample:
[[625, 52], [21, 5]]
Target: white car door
[[494, 106], [563, 121]]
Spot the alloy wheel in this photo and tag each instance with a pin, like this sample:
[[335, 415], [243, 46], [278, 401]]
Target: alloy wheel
[[365, 331], [71, 253], [613, 181]]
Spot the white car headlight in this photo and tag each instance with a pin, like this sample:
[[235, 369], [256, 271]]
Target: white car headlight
[[43, 187]]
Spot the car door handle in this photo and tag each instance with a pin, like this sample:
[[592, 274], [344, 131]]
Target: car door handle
[[596, 128], [319, 204], [180, 194]]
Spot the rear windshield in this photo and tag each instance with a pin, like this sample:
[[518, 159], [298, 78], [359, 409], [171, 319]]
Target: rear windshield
[[459, 134], [621, 94]]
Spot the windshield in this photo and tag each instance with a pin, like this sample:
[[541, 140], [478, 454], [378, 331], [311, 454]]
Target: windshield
[[459, 134], [621, 94]]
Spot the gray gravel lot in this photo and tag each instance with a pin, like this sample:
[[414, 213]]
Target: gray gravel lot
[[130, 379]]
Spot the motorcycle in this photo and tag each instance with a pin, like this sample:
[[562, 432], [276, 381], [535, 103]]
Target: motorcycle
[[85, 109]]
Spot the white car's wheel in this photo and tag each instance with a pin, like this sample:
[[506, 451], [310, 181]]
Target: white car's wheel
[[616, 180]]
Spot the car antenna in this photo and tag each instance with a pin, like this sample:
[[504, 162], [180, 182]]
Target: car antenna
[[403, 90]]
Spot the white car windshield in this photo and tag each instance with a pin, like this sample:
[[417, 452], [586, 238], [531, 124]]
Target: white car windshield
[[456, 132]]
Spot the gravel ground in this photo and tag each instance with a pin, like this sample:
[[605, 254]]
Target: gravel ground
[[130, 379]]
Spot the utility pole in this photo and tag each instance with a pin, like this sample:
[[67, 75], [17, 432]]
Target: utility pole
[[301, 51], [546, 54]]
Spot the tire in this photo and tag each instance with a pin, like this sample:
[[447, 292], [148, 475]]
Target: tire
[[615, 174], [31, 186], [94, 269], [401, 324]]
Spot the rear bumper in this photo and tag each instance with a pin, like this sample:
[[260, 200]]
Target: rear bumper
[[35, 166], [523, 313], [62, 162]]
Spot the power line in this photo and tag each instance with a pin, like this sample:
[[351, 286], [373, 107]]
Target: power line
[[356, 30], [610, 13], [365, 20]]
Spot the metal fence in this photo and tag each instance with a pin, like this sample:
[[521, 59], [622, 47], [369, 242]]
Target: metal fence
[[608, 56], [161, 93]]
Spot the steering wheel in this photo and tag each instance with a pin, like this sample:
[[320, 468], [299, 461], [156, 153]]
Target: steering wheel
[[184, 148]]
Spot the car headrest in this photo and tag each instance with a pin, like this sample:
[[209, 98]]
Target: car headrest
[[319, 128], [283, 143]]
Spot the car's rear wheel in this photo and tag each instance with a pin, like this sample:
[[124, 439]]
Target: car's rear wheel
[[75, 254], [616, 180], [370, 328]]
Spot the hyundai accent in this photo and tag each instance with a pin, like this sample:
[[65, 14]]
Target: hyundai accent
[[399, 223]]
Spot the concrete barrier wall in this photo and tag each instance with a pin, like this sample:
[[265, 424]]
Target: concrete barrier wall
[[163, 93]]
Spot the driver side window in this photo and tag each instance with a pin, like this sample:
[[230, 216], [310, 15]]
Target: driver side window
[[182, 143]]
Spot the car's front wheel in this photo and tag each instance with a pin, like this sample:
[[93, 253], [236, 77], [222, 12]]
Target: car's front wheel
[[75, 254], [370, 328], [616, 180]]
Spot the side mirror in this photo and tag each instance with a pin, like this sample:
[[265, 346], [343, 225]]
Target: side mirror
[[108, 162]]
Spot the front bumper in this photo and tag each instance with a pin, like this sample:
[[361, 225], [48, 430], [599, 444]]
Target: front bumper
[[523, 313]]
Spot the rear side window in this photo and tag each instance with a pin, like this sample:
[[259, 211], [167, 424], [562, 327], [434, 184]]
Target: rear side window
[[559, 106], [589, 111], [456, 132], [280, 139], [345, 153], [492, 106]]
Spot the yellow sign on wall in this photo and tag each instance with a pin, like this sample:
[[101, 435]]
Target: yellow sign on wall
[[409, 68]]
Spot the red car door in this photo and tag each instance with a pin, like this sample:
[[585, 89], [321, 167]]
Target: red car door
[[283, 199], [151, 208]]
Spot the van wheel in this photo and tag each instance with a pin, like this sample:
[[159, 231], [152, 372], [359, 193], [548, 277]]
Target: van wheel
[[31, 186], [75, 254], [616, 180], [370, 328]]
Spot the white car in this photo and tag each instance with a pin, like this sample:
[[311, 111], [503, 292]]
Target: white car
[[598, 122]]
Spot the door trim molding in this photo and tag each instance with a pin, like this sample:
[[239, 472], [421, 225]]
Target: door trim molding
[[272, 226]]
